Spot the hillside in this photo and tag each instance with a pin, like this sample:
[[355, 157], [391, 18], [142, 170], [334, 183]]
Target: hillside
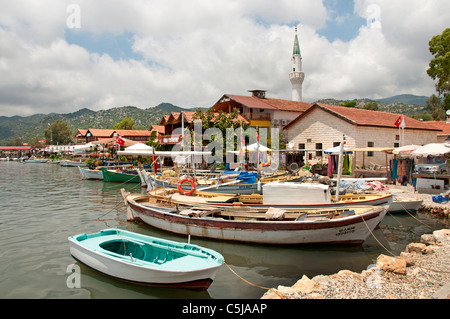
[[34, 126], [406, 104]]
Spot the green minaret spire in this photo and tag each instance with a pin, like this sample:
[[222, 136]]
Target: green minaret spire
[[296, 45]]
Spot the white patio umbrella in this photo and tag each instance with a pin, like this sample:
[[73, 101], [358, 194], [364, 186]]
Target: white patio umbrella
[[404, 150], [137, 149], [432, 149]]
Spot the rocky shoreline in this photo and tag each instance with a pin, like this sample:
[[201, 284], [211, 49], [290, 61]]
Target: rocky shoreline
[[422, 271]]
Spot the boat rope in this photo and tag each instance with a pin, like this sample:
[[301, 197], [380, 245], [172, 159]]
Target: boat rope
[[376, 237], [118, 203], [248, 282], [411, 214]]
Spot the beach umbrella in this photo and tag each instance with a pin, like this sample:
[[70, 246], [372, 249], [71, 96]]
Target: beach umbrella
[[404, 150], [432, 149]]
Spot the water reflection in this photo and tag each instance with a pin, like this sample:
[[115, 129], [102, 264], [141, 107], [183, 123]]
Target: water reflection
[[43, 204]]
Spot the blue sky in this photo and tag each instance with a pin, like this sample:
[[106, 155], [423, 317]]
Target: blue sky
[[145, 52], [343, 24]]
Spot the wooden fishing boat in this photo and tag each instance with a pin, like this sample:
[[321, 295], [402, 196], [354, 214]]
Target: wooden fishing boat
[[147, 260], [88, 173], [226, 183], [269, 225], [69, 163], [403, 204], [120, 175], [280, 195], [37, 160]]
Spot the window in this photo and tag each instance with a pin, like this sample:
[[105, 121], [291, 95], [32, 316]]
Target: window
[[301, 146], [397, 137], [336, 144], [318, 147], [396, 145], [370, 144]]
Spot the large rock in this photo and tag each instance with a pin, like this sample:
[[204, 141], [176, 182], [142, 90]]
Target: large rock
[[391, 264], [417, 248], [306, 286], [428, 239]]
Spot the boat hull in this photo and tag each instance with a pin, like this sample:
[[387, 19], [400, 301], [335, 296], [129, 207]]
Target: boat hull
[[110, 175], [241, 188], [91, 173], [66, 163], [404, 205], [349, 230], [129, 270]]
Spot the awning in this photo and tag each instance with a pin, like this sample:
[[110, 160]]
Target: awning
[[335, 150], [433, 149]]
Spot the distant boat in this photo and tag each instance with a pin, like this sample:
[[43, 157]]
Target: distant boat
[[38, 160], [268, 225], [68, 163], [120, 175], [88, 173], [402, 205], [147, 260]]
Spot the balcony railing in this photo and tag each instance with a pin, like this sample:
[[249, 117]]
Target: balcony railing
[[260, 116], [170, 139]]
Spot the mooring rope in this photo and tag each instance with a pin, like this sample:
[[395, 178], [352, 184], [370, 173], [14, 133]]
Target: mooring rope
[[117, 204], [376, 237], [248, 282], [410, 214]]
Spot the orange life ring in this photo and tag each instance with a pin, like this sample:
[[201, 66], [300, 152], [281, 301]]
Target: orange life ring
[[182, 191]]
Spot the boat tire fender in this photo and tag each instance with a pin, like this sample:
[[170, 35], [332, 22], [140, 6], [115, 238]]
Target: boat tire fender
[[182, 191]]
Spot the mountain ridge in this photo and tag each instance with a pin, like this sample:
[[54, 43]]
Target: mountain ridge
[[33, 126]]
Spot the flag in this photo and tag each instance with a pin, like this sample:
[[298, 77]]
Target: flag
[[241, 149], [398, 122], [402, 124], [257, 136], [120, 141], [155, 162]]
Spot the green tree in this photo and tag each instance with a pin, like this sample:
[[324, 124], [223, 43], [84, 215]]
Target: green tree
[[153, 140], [349, 104], [127, 123], [439, 69], [58, 133], [436, 107], [371, 106]]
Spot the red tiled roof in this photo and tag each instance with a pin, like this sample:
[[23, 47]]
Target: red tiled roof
[[126, 133], [441, 125], [15, 148], [159, 128], [270, 104], [362, 117]]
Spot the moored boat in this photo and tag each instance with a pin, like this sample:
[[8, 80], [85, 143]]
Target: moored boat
[[37, 160], [88, 173], [269, 225], [228, 183], [147, 260], [403, 204], [280, 195], [69, 163], [120, 175]]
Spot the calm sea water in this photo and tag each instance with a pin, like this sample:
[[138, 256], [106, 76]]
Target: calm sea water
[[43, 204]]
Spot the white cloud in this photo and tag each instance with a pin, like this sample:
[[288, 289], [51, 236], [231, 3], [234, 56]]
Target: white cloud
[[195, 51]]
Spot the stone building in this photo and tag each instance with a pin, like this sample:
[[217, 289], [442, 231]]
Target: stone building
[[323, 126]]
